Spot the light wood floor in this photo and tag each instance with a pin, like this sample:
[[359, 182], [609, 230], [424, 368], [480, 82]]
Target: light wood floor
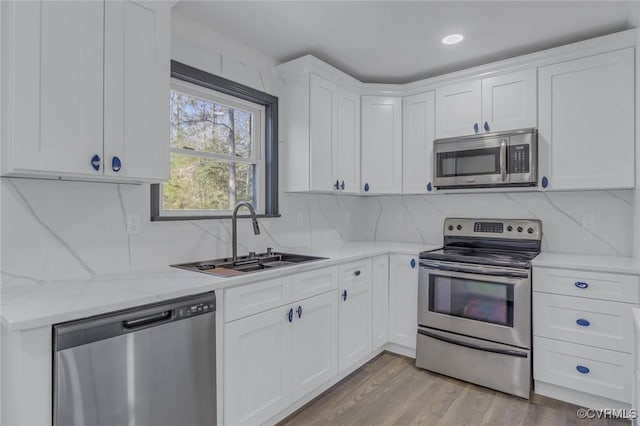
[[390, 390]]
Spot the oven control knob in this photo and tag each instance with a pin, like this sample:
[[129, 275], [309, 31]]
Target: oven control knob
[[509, 228], [459, 227], [530, 230], [520, 229], [450, 227]]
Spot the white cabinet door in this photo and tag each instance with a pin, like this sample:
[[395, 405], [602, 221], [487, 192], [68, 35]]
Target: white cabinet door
[[52, 55], [381, 145], [257, 373], [458, 109], [403, 299], [323, 117], [380, 278], [347, 156], [586, 122], [354, 326], [314, 343], [137, 60], [509, 101], [418, 132]]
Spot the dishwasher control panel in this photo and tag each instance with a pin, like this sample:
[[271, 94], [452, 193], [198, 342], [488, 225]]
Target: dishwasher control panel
[[195, 309]]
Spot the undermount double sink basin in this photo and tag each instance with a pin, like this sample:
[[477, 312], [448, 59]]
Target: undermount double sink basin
[[225, 267]]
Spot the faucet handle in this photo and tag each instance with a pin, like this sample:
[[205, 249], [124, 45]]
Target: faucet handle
[[252, 255], [269, 251]]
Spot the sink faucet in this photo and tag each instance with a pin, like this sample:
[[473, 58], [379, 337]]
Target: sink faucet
[[234, 225]]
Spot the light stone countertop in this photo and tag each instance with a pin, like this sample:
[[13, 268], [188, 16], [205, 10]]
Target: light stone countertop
[[615, 264], [28, 305]]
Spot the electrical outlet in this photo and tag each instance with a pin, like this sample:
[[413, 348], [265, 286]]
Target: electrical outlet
[[588, 221], [133, 223]]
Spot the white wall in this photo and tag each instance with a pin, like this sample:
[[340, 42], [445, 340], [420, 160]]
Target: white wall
[[53, 230]]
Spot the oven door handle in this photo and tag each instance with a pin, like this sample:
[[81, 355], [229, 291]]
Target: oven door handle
[[472, 346], [510, 273]]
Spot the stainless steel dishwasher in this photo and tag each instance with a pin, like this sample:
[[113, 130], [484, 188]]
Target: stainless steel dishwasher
[[151, 365]]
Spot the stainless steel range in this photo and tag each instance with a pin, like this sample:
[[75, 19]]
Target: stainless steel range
[[474, 303]]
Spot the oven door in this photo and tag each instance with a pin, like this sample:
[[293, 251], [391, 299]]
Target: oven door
[[473, 162], [484, 302]]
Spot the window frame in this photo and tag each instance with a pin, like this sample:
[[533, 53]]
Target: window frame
[[186, 76]]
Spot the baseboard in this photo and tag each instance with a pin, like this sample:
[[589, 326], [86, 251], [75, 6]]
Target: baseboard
[[400, 350]]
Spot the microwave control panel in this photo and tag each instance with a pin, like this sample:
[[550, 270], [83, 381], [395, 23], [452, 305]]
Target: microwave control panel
[[518, 159]]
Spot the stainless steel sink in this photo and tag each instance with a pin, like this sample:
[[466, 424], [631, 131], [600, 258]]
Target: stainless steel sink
[[225, 267]]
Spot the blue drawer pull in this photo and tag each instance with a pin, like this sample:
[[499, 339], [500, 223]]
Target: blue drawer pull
[[486, 126], [366, 187], [116, 164], [413, 263], [545, 182], [581, 284], [342, 185], [337, 185], [583, 322], [582, 369], [344, 295], [475, 127], [290, 315], [95, 162], [429, 187], [299, 312]]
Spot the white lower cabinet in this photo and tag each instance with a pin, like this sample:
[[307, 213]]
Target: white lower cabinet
[[583, 334], [403, 299], [380, 312], [258, 359], [355, 339]]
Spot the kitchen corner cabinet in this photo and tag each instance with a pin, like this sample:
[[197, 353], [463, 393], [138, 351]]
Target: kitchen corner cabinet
[[380, 281], [586, 122], [381, 145], [355, 316], [503, 102], [85, 90], [418, 132], [323, 135], [403, 299]]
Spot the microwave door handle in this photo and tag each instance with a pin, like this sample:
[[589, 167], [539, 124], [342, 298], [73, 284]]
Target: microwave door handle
[[503, 159]]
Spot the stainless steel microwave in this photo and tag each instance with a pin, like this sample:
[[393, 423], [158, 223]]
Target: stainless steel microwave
[[488, 160]]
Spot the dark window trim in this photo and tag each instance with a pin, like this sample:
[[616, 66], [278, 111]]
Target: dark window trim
[[201, 78]]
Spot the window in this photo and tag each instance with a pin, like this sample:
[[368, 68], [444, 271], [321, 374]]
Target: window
[[223, 149]]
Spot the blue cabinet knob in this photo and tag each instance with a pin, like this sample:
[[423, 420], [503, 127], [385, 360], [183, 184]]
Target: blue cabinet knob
[[342, 185], [545, 182], [475, 127], [344, 294], [95, 162], [337, 185], [581, 285], [486, 126], [299, 311], [366, 187], [582, 369], [290, 315], [116, 164], [583, 322], [413, 263], [429, 187]]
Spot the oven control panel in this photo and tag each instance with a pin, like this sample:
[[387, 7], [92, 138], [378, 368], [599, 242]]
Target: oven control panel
[[525, 229]]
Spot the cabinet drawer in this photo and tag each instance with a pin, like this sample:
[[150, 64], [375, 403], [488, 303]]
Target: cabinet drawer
[[253, 298], [313, 283], [594, 285], [606, 373], [599, 323], [355, 272]]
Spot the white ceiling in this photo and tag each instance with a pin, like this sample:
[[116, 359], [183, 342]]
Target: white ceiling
[[398, 41]]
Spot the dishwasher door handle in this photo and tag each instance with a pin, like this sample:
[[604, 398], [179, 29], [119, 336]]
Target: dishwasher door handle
[[147, 320]]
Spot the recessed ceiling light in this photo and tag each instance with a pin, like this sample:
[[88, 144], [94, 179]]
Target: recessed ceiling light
[[452, 38]]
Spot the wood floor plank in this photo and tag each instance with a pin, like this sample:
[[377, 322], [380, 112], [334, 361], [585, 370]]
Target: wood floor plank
[[390, 390]]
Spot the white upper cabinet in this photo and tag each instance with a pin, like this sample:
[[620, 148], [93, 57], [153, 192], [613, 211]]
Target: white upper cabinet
[[458, 109], [137, 69], [381, 145], [504, 102], [418, 132], [83, 83], [323, 132], [509, 101], [586, 128]]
